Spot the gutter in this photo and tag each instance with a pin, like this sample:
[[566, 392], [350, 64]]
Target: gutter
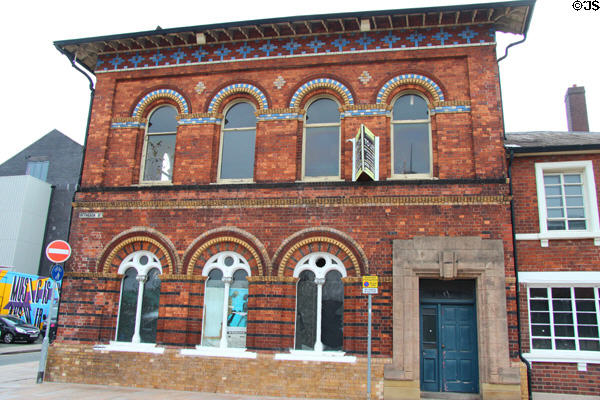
[[516, 269]]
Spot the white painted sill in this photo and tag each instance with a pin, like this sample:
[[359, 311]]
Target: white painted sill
[[130, 347], [218, 352], [319, 356], [544, 237], [581, 358]]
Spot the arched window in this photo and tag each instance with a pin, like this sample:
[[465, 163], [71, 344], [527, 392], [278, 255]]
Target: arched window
[[159, 145], [321, 140], [140, 293], [225, 301], [319, 303], [411, 137], [238, 136]]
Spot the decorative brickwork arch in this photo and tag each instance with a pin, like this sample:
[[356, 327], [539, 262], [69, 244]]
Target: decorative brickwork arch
[[137, 239], [226, 239], [322, 240], [326, 83], [247, 88], [138, 111], [426, 83]]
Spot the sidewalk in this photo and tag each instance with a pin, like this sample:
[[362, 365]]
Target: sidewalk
[[16, 348], [17, 381]]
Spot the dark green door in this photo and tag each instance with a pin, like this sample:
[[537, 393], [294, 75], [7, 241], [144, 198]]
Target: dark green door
[[448, 332]]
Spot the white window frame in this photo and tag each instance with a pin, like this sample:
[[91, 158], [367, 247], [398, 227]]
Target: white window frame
[[217, 261], [223, 130], [135, 345], [144, 148], [320, 125], [565, 279], [585, 168], [416, 121]]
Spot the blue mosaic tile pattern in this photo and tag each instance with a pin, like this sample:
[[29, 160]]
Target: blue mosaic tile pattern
[[152, 96], [399, 39], [238, 88], [198, 121], [419, 79], [452, 109], [121, 125], [273, 117], [363, 113], [321, 83]]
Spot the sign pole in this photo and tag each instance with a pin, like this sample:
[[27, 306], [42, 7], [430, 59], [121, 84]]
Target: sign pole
[[369, 353], [46, 341]]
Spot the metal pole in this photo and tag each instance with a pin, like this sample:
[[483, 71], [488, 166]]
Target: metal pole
[[46, 341], [369, 354]]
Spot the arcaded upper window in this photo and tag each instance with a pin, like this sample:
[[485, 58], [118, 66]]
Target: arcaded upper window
[[411, 137], [238, 138], [159, 145], [321, 140]]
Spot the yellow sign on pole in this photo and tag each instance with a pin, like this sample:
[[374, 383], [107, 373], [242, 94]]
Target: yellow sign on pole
[[370, 284]]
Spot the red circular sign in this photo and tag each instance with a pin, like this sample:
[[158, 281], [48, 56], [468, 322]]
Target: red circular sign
[[58, 251]]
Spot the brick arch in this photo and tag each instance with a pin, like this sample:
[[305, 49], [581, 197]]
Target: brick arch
[[325, 240], [135, 239], [158, 94], [226, 239], [321, 83], [429, 85], [236, 88]]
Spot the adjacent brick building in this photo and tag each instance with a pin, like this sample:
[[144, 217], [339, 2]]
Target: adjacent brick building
[[557, 234], [221, 229]]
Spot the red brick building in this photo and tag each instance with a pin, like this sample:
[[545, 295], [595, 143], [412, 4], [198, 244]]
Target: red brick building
[[228, 208], [558, 258]]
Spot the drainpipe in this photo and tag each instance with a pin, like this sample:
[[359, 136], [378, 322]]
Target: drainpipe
[[500, 86], [516, 269]]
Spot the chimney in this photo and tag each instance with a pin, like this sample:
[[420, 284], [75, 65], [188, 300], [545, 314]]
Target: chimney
[[577, 118]]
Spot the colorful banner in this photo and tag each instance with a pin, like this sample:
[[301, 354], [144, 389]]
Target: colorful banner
[[25, 296]]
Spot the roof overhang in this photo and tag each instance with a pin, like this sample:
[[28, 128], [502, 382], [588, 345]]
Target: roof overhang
[[510, 17]]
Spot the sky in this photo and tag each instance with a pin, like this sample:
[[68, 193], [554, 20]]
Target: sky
[[41, 91]]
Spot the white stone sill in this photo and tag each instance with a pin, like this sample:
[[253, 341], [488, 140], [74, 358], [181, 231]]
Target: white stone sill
[[130, 347], [581, 358], [544, 237], [322, 356], [218, 352]]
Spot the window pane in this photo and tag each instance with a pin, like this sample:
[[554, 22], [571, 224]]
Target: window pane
[[555, 213], [410, 107], [552, 179], [538, 292], [237, 160], [589, 345], [306, 311], [150, 307], [575, 202], [588, 331], [585, 305], [573, 190], [554, 202], [575, 212], [240, 115], [238, 310], [561, 305], [538, 305], [540, 330], [584, 293], [561, 293], [159, 157], [553, 191], [129, 295], [539, 317], [323, 111], [542, 343], [587, 318], [322, 156], [163, 120], [565, 344], [213, 309], [576, 225], [563, 318], [332, 311], [411, 149], [556, 225], [564, 330], [572, 178]]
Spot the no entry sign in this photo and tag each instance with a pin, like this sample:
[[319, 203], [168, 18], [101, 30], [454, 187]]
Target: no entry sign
[[58, 251]]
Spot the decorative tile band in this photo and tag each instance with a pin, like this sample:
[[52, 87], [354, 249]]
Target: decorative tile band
[[364, 113], [157, 94], [292, 202], [238, 88], [199, 121], [128, 123], [272, 114], [298, 46], [405, 79], [336, 86], [451, 109]]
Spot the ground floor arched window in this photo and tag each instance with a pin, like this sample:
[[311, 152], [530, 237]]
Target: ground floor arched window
[[225, 301], [140, 294], [319, 303]]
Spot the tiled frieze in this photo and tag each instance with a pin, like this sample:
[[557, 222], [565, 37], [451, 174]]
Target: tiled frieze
[[314, 84], [400, 39], [238, 88], [157, 94]]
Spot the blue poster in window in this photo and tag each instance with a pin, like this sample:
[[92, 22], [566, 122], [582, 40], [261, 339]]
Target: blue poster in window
[[238, 308]]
